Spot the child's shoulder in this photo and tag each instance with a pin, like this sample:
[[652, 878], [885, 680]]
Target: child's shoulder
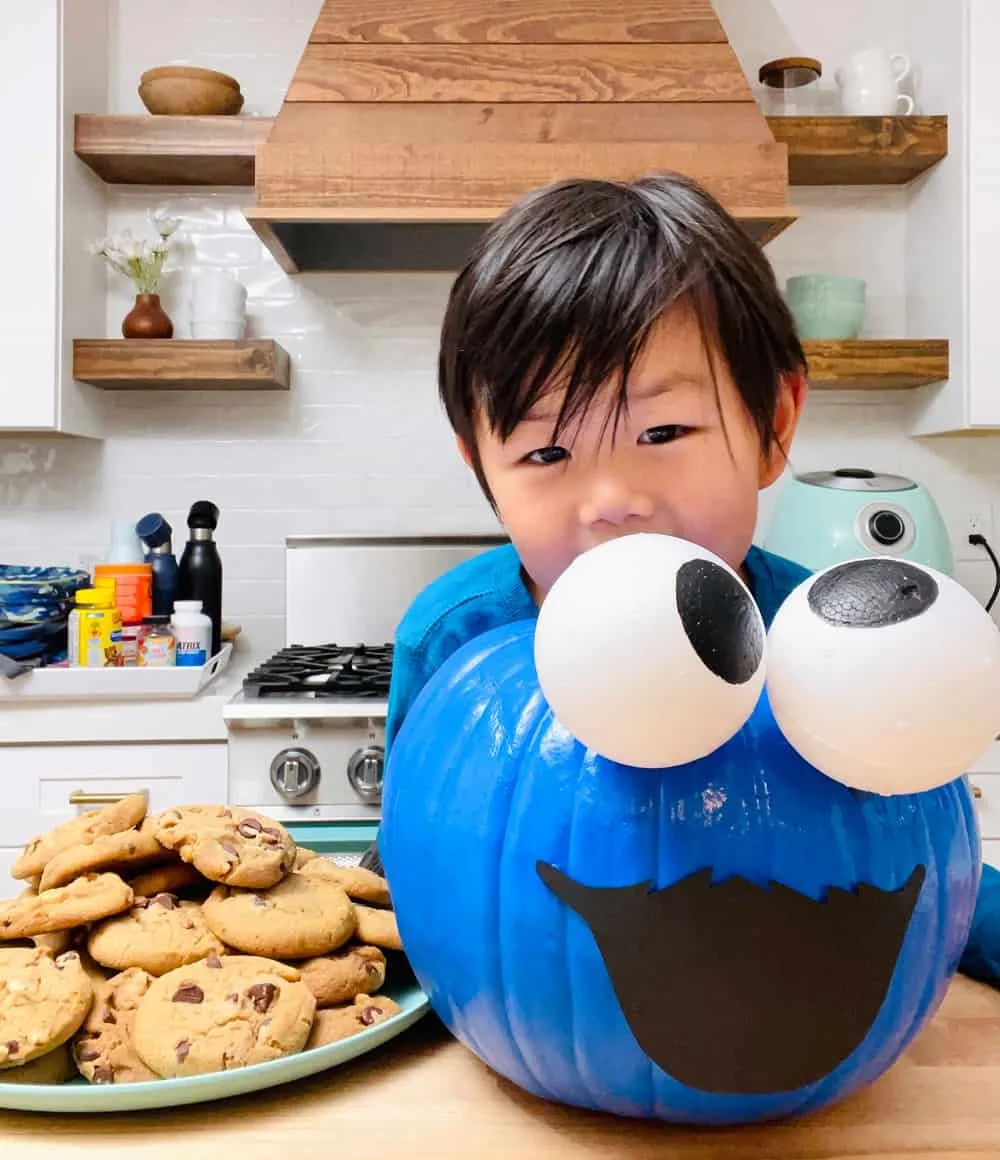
[[480, 593]]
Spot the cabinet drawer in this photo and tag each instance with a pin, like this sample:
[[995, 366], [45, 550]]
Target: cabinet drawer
[[36, 780], [9, 887], [986, 787], [991, 852]]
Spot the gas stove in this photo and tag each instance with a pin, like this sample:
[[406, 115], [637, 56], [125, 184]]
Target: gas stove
[[323, 671], [307, 730]]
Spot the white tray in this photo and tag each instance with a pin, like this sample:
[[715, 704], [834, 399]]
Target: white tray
[[125, 684]]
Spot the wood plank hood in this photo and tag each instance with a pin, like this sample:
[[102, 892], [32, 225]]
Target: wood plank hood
[[409, 124]]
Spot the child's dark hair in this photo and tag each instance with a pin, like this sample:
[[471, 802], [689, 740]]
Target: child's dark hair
[[567, 284]]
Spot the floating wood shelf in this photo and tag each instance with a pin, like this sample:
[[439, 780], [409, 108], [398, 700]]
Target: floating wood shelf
[[860, 150], [147, 150], [877, 364], [181, 364]]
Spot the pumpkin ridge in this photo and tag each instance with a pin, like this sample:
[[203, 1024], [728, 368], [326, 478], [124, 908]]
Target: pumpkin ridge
[[516, 740]]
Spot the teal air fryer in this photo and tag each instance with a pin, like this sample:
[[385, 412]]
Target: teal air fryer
[[826, 517]]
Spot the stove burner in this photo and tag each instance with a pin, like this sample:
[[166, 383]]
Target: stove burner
[[326, 670]]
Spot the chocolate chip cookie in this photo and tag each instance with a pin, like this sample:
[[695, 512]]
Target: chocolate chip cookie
[[127, 848], [120, 815], [57, 942], [342, 1022], [85, 899], [223, 1013], [54, 1066], [340, 976], [356, 883], [229, 845], [174, 878], [43, 1000], [302, 856], [377, 927], [103, 1049], [300, 917], [158, 934]]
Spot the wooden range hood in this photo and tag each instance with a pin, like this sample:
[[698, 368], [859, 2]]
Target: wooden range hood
[[409, 124]]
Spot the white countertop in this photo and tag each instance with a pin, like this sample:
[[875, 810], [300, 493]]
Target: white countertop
[[196, 719]]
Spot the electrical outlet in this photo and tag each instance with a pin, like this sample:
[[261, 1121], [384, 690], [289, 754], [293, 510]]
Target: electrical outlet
[[978, 522]]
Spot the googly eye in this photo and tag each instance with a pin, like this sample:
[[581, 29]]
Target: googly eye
[[650, 651], [885, 675]]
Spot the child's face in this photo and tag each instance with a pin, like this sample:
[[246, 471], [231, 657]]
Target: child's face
[[681, 462]]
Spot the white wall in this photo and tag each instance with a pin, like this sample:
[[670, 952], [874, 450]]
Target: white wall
[[358, 444]]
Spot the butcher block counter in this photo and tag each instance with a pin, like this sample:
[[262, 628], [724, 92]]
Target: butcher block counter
[[424, 1097]]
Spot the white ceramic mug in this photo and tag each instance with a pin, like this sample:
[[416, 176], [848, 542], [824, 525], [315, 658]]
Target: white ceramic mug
[[869, 84]]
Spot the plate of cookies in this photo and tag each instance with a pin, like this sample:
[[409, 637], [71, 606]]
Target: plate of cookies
[[154, 961]]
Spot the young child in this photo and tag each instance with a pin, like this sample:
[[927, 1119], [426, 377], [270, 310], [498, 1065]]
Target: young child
[[615, 358]]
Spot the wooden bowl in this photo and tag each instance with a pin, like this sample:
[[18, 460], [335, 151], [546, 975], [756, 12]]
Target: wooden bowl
[[184, 91]]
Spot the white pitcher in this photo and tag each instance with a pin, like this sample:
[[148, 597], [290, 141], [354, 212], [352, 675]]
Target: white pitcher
[[869, 84]]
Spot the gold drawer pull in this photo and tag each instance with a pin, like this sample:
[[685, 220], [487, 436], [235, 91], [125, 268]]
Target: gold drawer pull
[[977, 792], [80, 797]]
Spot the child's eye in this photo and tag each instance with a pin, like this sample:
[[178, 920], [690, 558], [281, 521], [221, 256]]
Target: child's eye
[[665, 434], [545, 456]]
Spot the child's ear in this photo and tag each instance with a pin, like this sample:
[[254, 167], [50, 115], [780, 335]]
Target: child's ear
[[463, 450], [792, 391]]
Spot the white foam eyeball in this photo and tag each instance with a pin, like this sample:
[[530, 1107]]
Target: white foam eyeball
[[885, 675], [650, 651]]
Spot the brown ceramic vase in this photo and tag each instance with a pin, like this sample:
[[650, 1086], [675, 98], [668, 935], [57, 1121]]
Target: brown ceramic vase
[[147, 319]]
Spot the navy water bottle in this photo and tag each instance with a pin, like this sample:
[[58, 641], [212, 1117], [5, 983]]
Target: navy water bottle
[[155, 533]]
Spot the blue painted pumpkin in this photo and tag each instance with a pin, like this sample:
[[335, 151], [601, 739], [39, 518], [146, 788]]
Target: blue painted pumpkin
[[572, 918]]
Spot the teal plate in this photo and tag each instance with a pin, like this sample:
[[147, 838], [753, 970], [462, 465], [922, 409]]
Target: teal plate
[[79, 1096]]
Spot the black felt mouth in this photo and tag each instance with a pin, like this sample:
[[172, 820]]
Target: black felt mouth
[[741, 989]]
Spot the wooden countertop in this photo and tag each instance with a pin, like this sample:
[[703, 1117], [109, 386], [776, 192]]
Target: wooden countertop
[[424, 1097]]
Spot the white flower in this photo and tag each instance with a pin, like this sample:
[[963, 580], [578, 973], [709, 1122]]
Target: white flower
[[129, 244], [165, 225], [139, 260]]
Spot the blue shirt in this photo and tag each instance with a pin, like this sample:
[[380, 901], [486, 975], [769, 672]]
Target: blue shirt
[[488, 591]]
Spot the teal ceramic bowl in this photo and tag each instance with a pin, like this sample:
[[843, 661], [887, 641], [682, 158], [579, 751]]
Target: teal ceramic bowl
[[827, 306]]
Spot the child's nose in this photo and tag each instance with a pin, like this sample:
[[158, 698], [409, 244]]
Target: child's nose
[[613, 500]]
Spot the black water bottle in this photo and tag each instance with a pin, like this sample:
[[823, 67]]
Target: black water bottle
[[200, 569]]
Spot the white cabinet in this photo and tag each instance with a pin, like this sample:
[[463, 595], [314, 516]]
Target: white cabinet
[[37, 781], [51, 290], [953, 219], [984, 777], [8, 887]]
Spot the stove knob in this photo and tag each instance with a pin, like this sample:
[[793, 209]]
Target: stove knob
[[364, 772], [294, 773]]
